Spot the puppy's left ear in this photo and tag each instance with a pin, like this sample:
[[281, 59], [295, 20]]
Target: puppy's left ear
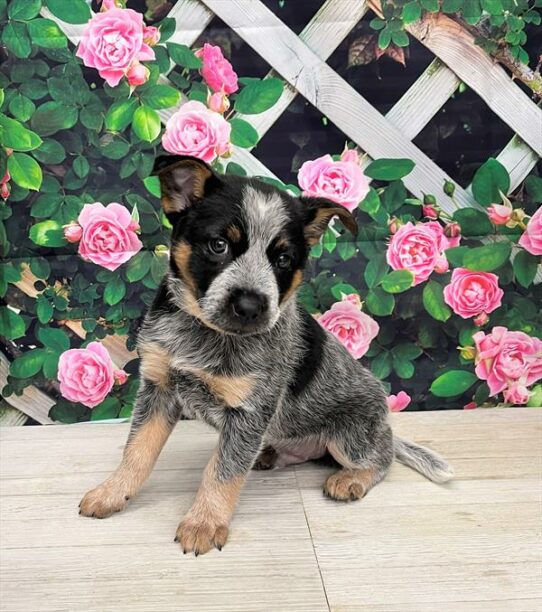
[[318, 214], [183, 181]]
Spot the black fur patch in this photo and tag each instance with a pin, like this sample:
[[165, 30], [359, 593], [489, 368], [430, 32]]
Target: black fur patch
[[162, 300], [312, 339]]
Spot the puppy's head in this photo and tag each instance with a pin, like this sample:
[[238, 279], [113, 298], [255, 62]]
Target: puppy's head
[[238, 245]]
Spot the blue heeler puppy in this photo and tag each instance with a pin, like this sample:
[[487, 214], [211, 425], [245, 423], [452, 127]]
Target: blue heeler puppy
[[225, 341]]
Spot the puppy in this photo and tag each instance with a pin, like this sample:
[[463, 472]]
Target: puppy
[[225, 341]]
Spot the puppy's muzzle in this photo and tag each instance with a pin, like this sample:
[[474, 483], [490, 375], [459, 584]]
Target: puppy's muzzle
[[247, 307]]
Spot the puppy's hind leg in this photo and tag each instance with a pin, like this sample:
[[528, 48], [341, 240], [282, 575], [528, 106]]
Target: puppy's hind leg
[[363, 466], [152, 422]]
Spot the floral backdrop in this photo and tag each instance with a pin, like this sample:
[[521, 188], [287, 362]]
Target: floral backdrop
[[443, 308]]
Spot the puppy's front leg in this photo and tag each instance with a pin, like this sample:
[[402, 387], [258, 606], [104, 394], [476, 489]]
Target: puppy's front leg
[[205, 526], [155, 415]]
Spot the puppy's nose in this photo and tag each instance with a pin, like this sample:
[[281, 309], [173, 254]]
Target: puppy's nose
[[248, 305]]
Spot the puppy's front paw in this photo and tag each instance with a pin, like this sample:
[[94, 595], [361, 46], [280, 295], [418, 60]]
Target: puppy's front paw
[[199, 535], [344, 487], [102, 501]]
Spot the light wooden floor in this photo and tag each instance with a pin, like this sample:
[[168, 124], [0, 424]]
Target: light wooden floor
[[474, 544]]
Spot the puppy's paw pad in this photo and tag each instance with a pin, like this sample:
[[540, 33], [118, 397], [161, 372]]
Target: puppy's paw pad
[[200, 537], [343, 487], [101, 502]]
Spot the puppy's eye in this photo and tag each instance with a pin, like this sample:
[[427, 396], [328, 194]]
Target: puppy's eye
[[283, 261], [218, 246]]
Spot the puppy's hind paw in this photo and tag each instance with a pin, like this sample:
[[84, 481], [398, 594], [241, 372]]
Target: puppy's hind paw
[[103, 501], [266, 460], [343, 486]]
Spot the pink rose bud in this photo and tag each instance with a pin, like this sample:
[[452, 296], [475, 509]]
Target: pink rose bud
[[120, 376], [352, 298], [151, 35], [398, 402], [218, 102], [137, 75], [217, 71], [470, 406], [393, 225], [134, 226], [499, 214], [73, 232], [350, 155], [442, 265], [452, 230], [481, 319], [430, 211], [6, 177], [4, 190]]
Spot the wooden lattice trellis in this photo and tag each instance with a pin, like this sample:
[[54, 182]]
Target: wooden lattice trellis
[[301, 62]]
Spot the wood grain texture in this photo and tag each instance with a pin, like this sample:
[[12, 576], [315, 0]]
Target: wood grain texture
[[410, 545]]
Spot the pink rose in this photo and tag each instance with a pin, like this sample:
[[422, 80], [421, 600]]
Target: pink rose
[[508, 359], [111, 41], [151, 35], [419, 249], [472, 293], [218, 102], [120, 376], [108, 237], [499, 214], [73, 232], [531, 239], [137, 74], [86, 375], [340, 181], [398, 402], [196, 130], [353, 328], [216, 70]]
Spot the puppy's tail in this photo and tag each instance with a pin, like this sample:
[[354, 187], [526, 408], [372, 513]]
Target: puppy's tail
[[423, 460]]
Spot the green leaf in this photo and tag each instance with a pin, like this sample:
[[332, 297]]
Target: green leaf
[[407, 351], [525, 268], [472, 11], [183, 56], [380, 303], [74, 11], [167, 28], [340, 289], [15, 136], [389, 169], [397, 281], [243, 134], [146, 123], [489, 179], [11, 324], [430, 5], [15, 37], [46, 205], [51, 117], [161, 96], [23, 10], [533, 186], [433, 301], [452, 6], [535, 401], [488, 257], [258, 96], [54, 338], [452, 383], [81, 167], [456, 255], [382, 365], [236, 169], [115, 149], [412, 11], [152, 184], [40, 267], [48, 233], [50, 365], [114, 291], [28, 364], [384, 38], [403, 369], [21, 107], [44, 309], [45, 33], [138, 266], [400, 38], [493, 7], [474, 223], [25, 171], [108, 409], [375, 271]]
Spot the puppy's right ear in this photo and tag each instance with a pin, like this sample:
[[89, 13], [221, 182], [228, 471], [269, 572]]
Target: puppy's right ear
[[183, 181]]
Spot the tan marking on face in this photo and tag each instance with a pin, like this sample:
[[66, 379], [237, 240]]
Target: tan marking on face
[[297, 279], [282, 243], [155, 364], [191, 306], [140, 455], [168, 205], [205, 526], [232, 390], [233, 233], [181, 253]]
